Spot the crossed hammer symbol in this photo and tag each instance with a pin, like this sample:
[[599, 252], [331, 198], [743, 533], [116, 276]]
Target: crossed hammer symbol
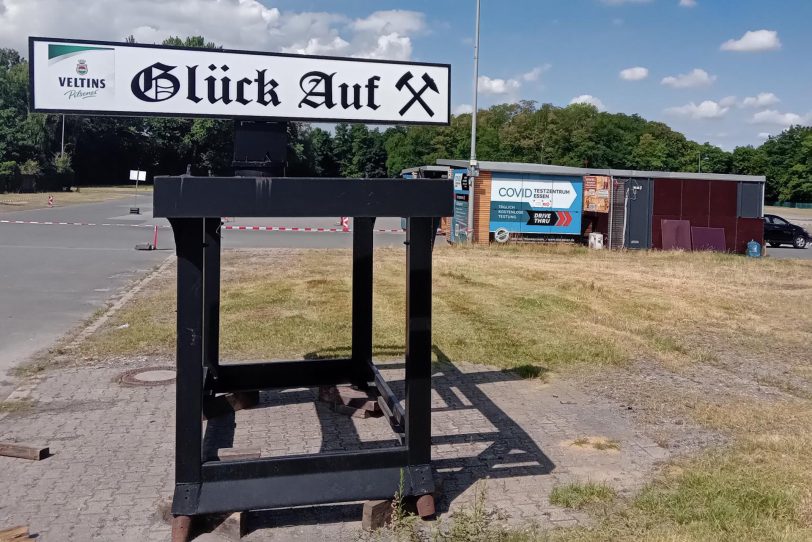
[[417, 95]]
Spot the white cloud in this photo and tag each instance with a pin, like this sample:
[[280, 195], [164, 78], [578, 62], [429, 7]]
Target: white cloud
[[590, 100], [705, 110], [238, 24], [764, 99], [695, 78], [764, 135], [634, 74], [487, 85], [771, 116], [509, 88], [535, 74], [728, 101], [463, 109], [754, 41], [687, 3]]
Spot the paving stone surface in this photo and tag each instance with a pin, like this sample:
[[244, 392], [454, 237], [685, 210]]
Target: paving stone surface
[[112, 447]]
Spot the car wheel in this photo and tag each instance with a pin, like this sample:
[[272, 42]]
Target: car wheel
[[772, 244], [800, 241]]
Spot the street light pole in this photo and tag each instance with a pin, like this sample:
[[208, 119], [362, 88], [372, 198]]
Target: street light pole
[[63, 135], [473, 166]]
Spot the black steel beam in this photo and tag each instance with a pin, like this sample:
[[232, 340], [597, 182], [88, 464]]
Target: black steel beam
[[362, 253], [301, 197], [330, 486], [390, 404], [418, 340], [189, 237], [211, 287], [285, 374], [215, 471]]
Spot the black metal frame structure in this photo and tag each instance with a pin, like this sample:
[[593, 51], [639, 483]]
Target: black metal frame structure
[[194, 207]]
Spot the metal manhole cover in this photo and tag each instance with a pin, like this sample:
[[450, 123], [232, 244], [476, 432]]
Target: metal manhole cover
[[148, 376]]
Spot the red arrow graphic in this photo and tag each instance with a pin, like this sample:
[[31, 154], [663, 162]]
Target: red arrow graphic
[[564, 219]]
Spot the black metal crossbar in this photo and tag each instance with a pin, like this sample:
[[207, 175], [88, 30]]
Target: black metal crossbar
[[182, 197], [194, 207]]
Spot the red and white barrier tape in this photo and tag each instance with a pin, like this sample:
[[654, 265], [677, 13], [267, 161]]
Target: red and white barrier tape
[[225, 227], [303, 229]]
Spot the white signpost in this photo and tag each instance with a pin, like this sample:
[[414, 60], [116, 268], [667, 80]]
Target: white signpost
[[137, 175], [95, 77]]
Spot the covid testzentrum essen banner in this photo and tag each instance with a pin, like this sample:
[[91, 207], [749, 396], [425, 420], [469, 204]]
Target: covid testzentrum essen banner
[[94, 77]]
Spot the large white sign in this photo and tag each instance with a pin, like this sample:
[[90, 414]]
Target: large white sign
[[538, 194], [77, 76]]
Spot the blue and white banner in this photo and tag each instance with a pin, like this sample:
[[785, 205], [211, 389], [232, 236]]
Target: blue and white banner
[[536, 204]]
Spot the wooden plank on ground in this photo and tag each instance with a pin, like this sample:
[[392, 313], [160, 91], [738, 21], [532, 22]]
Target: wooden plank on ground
[[23, 451], [15, 534]]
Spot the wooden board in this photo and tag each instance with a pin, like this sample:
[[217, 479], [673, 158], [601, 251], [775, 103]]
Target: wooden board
[[23, 451], [15, 534]]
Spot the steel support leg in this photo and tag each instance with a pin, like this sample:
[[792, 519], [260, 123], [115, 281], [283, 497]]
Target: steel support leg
[[418, 340], [362, 250], [211, 281], [189, 242]]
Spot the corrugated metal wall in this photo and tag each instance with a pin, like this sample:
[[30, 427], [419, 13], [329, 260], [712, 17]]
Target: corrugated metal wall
[[713, 204]]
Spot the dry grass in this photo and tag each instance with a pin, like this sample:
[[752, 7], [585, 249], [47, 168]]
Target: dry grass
[[601, 444], [88, 194], [517, 308]]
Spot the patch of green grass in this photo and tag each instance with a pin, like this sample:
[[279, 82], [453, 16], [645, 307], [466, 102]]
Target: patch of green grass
[[529, 372], [16, 406], [723, 496], [579, 496], [758, 489]]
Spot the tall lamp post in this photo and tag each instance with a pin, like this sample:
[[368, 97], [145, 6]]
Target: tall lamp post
[[473, 165]]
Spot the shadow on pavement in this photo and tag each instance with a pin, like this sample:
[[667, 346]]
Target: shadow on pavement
[[472, 438]]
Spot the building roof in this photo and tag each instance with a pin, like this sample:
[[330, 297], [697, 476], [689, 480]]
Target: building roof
[[547, 169], [425, 168]]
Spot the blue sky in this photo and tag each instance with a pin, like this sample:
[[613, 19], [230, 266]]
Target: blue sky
[[544, 50], [582, 45]]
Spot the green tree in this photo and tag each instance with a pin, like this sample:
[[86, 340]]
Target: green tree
[[324, 161], [650, 154]]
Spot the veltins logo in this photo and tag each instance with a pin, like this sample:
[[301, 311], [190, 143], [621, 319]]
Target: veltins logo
[[71, 72]]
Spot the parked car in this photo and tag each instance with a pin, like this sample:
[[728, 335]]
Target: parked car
[[778, 231]]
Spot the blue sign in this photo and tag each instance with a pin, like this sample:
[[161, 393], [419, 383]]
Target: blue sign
[[459, 222], [539, 204]]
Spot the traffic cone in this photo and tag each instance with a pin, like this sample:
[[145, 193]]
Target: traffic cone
[[150, 246]]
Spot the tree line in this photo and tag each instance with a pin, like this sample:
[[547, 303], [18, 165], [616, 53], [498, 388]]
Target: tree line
[[101, 150]]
